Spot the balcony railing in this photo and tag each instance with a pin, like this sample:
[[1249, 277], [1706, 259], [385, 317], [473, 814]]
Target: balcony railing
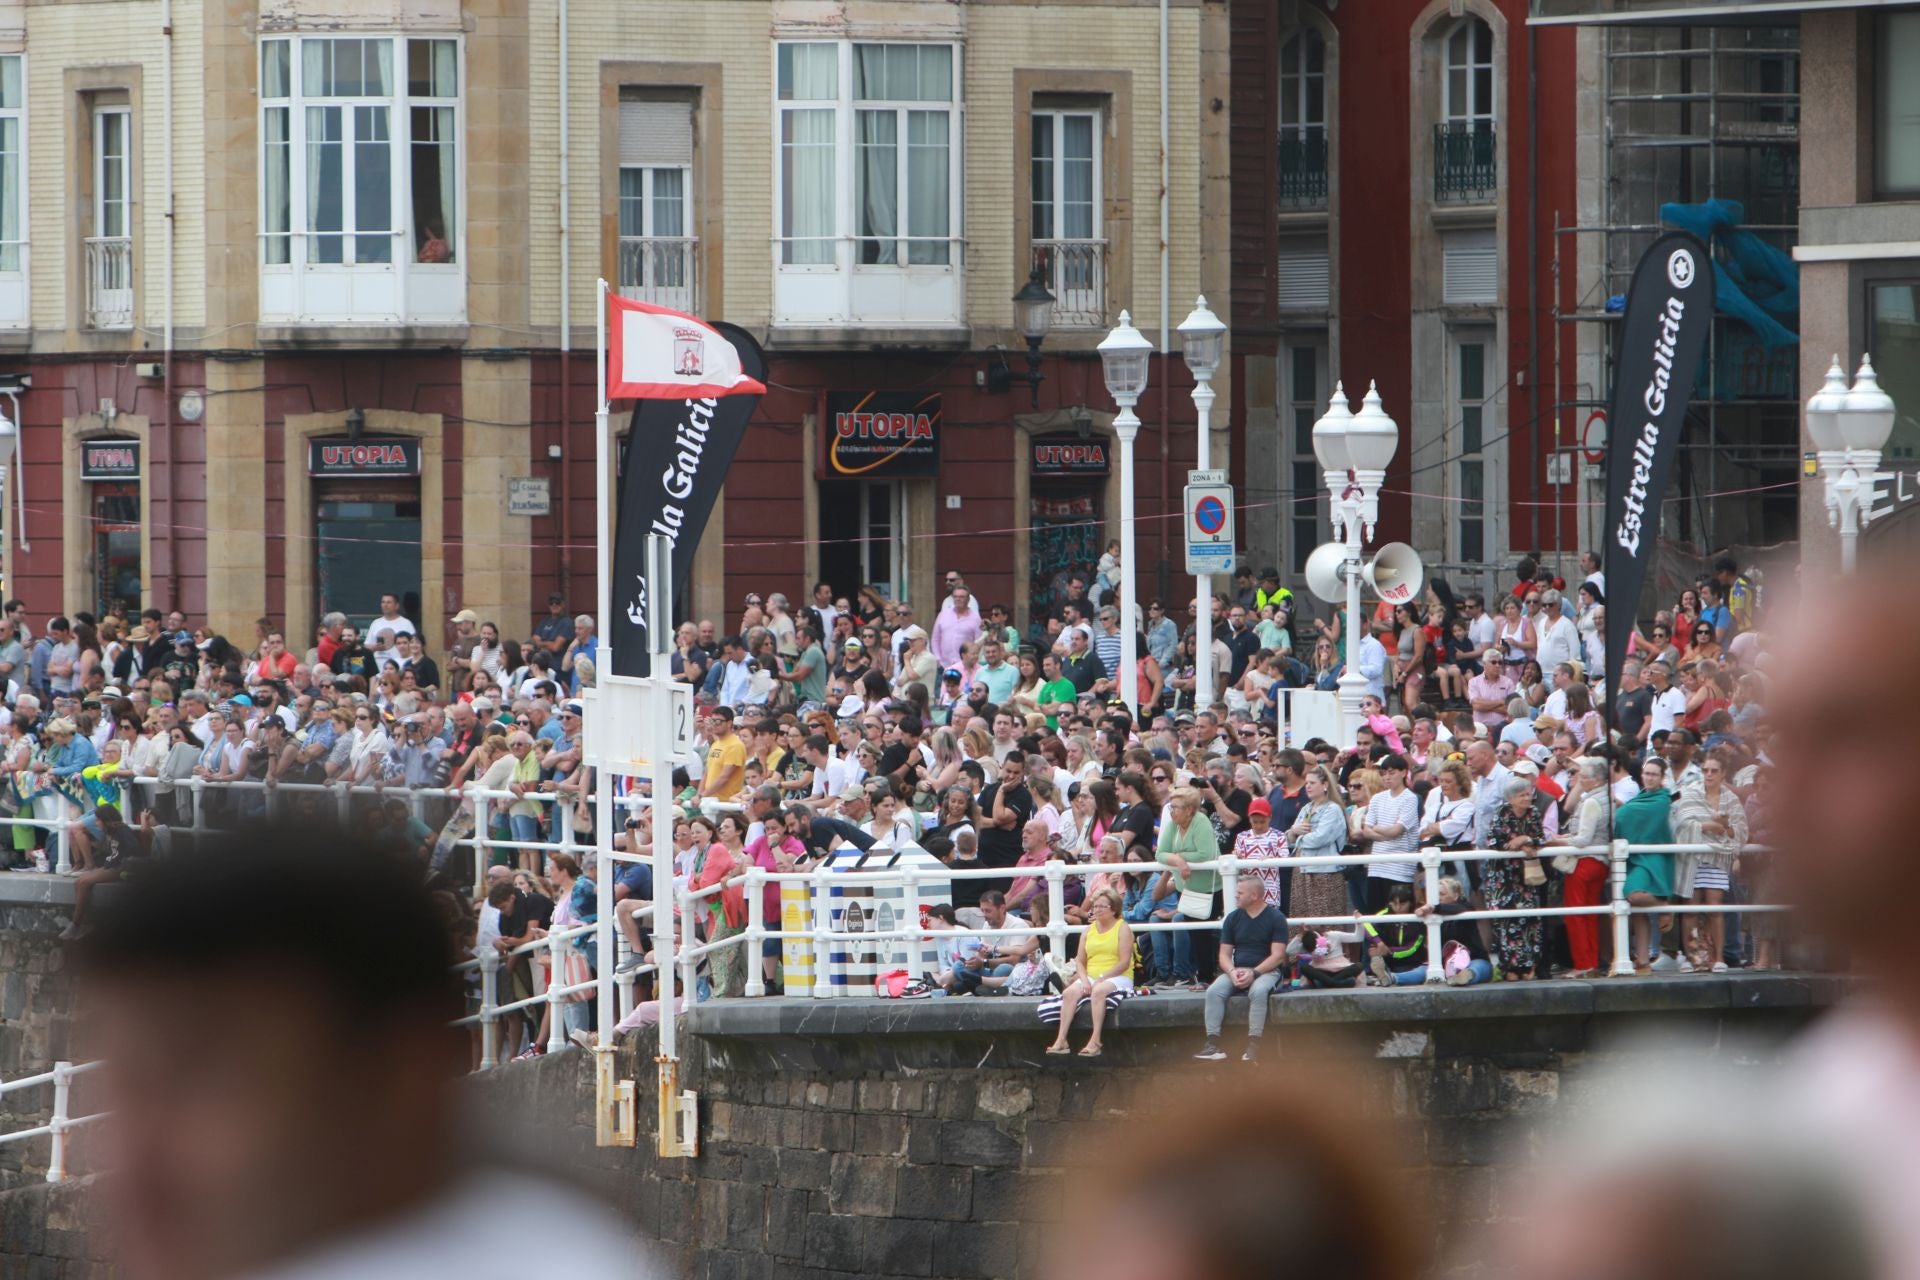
[[1464, 166], [663, 270], [1303, 168], [1075, 272], [110, 282]]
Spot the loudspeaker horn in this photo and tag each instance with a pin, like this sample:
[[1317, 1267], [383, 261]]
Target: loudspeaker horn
[[1396, 573], [1324, 572]]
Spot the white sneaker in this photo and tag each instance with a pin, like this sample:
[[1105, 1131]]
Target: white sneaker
[[1685, 966], [1666, 964], [1719, 966]]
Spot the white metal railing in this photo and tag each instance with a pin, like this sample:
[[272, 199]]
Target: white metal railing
[[109, 261], [60, 1122], [1075, 272], [663, 270]]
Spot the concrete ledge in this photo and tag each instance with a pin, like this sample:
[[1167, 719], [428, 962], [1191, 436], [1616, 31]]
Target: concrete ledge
[[865, 1034], [36, 888]]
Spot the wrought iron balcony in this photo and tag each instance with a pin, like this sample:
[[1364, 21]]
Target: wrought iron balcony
[[1303, 167], [1075, 273], [663, 270], [1464, 162], [109, 282]]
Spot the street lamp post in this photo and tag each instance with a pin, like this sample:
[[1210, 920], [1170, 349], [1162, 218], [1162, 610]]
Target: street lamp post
[[1124, 357], [1849, 427], [1202, 339], [1354, 450]]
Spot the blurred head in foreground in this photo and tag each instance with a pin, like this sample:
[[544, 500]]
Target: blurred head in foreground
[[272, 1015], [1683, 1165], [1277, 1176], [1843, 712]]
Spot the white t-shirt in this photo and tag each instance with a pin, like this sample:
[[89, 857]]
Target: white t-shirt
[[1559, 642], [459, 1234], [1483, 631], [1625, 790], [380, 636], [1668, 710]]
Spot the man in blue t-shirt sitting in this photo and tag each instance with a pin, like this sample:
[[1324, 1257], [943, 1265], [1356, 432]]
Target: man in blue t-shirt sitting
[[1253, 951]]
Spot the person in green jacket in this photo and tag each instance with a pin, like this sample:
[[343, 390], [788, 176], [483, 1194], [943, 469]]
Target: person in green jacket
[[1185, 838], [1643, 820]]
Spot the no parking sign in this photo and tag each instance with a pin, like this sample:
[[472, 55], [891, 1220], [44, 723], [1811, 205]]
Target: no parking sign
[[1209, 505]]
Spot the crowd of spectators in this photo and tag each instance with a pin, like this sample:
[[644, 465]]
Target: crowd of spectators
[[852, 721]]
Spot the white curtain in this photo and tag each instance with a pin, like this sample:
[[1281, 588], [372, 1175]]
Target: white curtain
[[876, 200], [324, 184], [10, 194], [443, 132], [929, 187], [279, 208], [807, 183], [1076, 180]]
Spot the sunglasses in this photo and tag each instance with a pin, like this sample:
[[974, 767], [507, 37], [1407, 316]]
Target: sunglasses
[[363, 717], [524, 723]]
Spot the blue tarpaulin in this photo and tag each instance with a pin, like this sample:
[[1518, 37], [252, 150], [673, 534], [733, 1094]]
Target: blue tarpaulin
[[1754, 282]]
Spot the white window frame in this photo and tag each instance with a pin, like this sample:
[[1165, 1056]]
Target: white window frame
[[1295, 81], [15, 295], [1490, 459], [1472, 111], [101, 115], [401, 290], [1096, 125], [648, 196], [896, 294], [1303, 406]]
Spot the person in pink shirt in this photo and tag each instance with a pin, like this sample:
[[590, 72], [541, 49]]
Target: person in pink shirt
[[957, 625], [1490, 691], [778, 848]]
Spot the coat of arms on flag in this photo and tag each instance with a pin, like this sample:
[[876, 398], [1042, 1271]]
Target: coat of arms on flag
[[689, 352]]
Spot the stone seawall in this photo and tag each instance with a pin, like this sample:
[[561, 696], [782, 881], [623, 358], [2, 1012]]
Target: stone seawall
[[934, 1139], [34, 1001]]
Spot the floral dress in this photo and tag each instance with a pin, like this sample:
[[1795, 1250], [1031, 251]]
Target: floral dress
[[1516, 943]]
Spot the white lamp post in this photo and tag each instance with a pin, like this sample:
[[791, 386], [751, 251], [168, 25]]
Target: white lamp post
[[9, 439], [1354, 450], [1849, 427], [1123, 357], [1202, 339]]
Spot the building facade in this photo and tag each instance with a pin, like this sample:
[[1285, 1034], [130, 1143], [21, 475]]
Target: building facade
[[1397, 171], [300, 297]]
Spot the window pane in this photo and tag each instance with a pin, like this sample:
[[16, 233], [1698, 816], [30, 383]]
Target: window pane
[[1316, 49], [669, 202], [1894, 338], [372, 185], [1897, 109], [1076, 177], [435, 183], [929, 211], [876, 179], [277, 213], [1305, 381], [1473, 371], [809, 72], [633, 202], [112, 164], [1472, 511], [807, 186], [274, 69], [1457, 93], [11, 194], [936, 73], [1316, 106], [316, 68], [1470, 428], [1482, 40], [1483, 91], [326, 186], [431, 69], [1043, 177]]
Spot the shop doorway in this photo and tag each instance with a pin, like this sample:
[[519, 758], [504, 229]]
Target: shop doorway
[[367, 544], [863, 536], [1065, 540], [116, 549]]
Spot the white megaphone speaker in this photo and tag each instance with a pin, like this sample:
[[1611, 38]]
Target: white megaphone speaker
[[1324, 572], [1395, 573]]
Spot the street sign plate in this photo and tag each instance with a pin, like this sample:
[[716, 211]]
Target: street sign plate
[[1210, 533], [1206, 477]]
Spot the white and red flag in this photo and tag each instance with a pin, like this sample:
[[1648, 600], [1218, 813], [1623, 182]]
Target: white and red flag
[[657, 354]]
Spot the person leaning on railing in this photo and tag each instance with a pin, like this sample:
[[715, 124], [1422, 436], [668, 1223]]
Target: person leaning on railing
[[1584, 886], [1514, 883]]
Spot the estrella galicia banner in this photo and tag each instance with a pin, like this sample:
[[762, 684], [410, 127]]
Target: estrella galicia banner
[[883, 435], [676, 459], [1664, 333]]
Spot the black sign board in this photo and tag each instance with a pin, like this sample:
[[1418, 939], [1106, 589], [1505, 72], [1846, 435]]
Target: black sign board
[[883, 434], [339, 456], [1067, 454], [110, 459]]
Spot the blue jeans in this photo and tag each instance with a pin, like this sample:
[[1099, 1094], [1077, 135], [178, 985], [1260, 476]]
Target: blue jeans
[[969, 977], [525, 828], [1173, 954]]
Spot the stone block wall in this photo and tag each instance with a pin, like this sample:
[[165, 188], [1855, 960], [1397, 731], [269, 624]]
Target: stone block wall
[[33, 1010]]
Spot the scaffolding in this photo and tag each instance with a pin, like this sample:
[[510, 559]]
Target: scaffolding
[[1689, 114]]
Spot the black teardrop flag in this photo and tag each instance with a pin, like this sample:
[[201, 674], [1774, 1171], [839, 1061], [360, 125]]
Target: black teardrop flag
[[1669, 313]]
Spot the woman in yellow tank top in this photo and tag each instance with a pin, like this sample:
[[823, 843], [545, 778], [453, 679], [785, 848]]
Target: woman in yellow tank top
[[1103, 966]]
